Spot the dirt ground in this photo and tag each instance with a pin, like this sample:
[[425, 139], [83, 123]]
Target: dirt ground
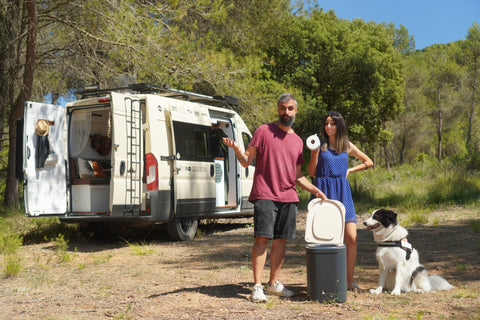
[[211, 277]]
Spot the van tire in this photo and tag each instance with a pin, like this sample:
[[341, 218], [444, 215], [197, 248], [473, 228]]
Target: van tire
[[182, 229]]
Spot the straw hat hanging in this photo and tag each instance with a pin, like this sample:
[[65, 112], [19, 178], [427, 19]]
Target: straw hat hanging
[[42, 127]]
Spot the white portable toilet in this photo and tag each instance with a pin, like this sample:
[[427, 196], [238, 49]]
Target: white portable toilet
[[326, 252]]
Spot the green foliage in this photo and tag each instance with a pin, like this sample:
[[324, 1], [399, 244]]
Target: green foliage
[[415, 215], [416, 188], [12, 265], [467, 292], [413, 189], [61, 248], [351, 67], [3, 173], [456, 188], [423, 158], [471, 160], [101, 259], [304, 198], [441, 101], [397, 100], [140, 249], [9, 243]]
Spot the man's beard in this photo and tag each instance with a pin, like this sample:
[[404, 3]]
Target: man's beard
[[286, 120]]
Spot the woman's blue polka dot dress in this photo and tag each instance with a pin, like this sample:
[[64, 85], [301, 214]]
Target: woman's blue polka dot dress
[[331, 179]]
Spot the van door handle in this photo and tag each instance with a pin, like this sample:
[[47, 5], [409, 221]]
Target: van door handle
[[167, 158], [122, 168]]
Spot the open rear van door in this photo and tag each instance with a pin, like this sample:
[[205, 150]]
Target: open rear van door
[[44, 165], [127, 156]]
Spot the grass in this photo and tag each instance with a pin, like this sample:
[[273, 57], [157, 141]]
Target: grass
[[416, 188], [414, 215], [462, 267], [140, 249], [465, 293], [101, 259], [244, 269], [12, 265], [61, 248], [367, 307], [413, 190], [383, 317], [9, 244], [474, 226]]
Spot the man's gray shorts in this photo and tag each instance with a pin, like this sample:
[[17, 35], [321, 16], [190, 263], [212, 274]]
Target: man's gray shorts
[[275, 220]]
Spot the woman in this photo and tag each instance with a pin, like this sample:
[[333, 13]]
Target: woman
[[329, 166]]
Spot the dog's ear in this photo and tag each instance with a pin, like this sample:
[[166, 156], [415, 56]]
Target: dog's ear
[[390, 217], [385, 217]]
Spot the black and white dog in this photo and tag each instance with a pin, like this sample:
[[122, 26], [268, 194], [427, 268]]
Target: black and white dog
[[400, 270]]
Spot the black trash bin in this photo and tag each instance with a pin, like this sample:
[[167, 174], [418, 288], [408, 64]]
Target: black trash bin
[[326, 273]]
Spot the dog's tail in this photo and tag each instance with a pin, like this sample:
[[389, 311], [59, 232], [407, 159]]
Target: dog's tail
[[439, 283], [416, 272], [434, 282]]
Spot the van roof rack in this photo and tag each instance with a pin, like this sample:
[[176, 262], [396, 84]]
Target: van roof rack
[[165, 90]]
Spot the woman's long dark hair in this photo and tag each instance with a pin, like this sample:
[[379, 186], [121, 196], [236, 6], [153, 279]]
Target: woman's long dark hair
[[341, 136]]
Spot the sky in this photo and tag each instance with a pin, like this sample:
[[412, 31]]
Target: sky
[[429, 21]]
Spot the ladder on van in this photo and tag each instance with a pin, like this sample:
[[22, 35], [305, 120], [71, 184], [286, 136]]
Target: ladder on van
[[134, 155]]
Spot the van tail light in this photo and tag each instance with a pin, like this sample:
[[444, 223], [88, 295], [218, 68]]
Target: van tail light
[[152, 172]]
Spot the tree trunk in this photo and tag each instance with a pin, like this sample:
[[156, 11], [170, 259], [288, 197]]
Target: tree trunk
[[9, 32], [386, 156], [470, 123], [11, 189], [473, 100], [392, 154], [439, 126], [404, 142]]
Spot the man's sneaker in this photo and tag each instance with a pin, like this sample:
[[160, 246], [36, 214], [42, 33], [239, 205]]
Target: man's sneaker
[[279, 290], [257, 293]]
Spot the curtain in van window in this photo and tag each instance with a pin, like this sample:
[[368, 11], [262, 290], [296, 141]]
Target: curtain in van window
[[79, 132]]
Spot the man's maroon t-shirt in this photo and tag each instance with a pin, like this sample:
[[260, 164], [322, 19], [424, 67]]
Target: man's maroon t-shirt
[[278, 154]]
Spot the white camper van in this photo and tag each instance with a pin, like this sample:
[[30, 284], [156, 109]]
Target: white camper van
[[136, 156]]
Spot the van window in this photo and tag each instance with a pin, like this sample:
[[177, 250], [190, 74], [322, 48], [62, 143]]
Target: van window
[[201, 143], [191, 141]]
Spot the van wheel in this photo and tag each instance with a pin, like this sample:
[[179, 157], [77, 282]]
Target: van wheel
[[182, 229]]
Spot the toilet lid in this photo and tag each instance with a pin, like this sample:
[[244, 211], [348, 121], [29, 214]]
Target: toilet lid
[[325, 222]]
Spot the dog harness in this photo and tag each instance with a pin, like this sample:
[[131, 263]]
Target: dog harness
[[403, 244]]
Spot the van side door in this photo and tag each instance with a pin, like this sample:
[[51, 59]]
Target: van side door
[[194, 165]]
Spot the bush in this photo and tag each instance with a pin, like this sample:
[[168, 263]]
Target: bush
[[13, 265], [424, 184], [9, 243]]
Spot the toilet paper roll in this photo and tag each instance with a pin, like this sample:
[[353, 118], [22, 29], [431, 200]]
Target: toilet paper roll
[[313, 142]]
